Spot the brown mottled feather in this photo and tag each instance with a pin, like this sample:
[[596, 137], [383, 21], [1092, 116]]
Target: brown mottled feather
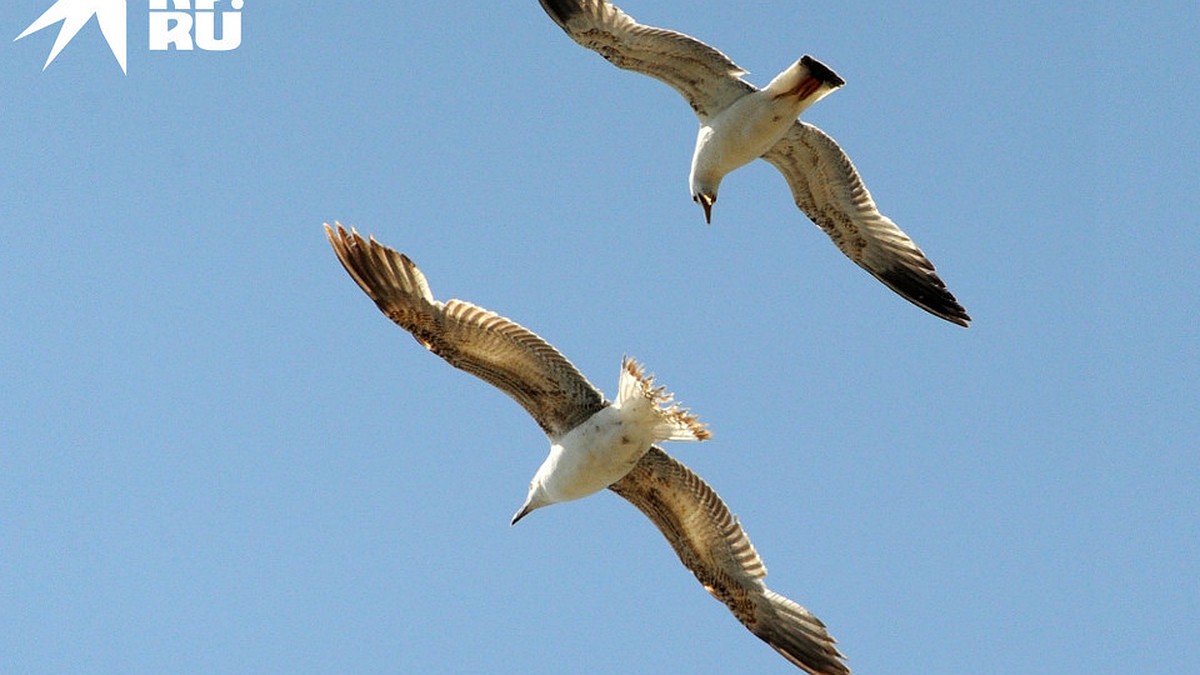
[[712, 544], [483, 343], [828, 189], [709, 80]]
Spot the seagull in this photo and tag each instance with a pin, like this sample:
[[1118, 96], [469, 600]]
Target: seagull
[[597, 444], [740, 123]]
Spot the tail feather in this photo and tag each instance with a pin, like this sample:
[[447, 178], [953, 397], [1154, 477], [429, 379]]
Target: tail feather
[[807, 80], [674, 423]]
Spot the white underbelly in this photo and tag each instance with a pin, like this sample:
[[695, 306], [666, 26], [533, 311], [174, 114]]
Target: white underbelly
[[594, 455], [743, 133]]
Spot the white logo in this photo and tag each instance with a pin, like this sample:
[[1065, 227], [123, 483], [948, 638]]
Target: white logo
[[74, 14], [181, 26], [175, 27]]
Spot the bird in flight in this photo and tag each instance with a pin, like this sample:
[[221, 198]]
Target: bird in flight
[[740, 123], [595, 443]]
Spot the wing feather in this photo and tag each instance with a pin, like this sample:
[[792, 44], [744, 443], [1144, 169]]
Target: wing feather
[[711, 543], [470, 338], [709, 80], [828, 189]]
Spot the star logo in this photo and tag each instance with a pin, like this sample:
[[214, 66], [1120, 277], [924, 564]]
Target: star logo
[[74, 15]]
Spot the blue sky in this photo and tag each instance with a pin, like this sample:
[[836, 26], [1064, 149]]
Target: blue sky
[[216, 455]]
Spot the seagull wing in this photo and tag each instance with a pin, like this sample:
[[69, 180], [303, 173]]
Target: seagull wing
[[470, 338], [708, 79], [712, 544], [827, 187]]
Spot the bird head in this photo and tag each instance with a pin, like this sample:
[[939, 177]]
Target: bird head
[[535, 500], [706, 199]]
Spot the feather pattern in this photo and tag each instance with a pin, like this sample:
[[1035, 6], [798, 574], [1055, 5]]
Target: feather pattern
[[829, 190], [470, 338], [711, 543], [709, 80]]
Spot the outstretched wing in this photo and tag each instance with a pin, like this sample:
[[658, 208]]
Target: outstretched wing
[[471, 338], [712, 544], [708, 79], [827, 187]]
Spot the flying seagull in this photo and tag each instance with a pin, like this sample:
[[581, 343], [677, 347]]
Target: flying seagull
[[596, 444], [740, 123]]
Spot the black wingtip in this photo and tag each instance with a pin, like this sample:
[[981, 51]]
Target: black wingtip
[[561, 10], [927, 292], [818, 70]]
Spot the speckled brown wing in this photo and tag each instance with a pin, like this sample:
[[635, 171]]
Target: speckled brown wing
[[828, 189], [470, 338], [708, 79], [712, 544]]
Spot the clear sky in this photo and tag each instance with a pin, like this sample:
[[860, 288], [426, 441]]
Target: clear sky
[[216, 455]]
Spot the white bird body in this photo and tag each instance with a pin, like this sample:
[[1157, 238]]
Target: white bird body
[[591, 457], [752, 125], [601, 450]]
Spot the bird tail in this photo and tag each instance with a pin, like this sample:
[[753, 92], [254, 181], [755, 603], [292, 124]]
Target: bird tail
[[674, 423], [808, 80], [800, 637]]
